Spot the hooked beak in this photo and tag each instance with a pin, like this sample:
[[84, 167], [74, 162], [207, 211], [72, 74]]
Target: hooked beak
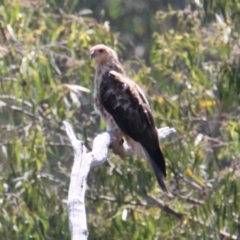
[[93, 54]]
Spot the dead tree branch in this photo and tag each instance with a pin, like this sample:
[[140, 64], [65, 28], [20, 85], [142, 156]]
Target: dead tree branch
[[83, 161]]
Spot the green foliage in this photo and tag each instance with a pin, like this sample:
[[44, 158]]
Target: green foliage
[[42, 51], [193, 85], [196, 71]]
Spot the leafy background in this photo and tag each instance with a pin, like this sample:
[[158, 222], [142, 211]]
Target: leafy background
[[184, 54]]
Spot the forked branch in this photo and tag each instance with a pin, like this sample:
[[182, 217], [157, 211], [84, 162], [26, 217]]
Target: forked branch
[[83, 161]]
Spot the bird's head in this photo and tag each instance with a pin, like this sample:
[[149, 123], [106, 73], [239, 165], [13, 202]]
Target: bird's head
[[101, 54]]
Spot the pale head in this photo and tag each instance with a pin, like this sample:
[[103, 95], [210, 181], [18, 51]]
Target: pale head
[[102, 54]]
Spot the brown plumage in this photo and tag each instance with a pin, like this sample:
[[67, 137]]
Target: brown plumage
[[125, 109]]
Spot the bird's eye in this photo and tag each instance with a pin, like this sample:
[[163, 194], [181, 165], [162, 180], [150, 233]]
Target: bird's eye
[[101, 50]]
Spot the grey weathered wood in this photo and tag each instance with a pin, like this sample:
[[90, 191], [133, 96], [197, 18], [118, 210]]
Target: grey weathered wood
[[83, 161]]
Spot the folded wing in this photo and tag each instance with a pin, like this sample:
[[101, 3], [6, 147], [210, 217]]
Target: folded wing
[[126, 103]]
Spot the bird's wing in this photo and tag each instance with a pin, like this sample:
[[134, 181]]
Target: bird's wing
[[128, 106]]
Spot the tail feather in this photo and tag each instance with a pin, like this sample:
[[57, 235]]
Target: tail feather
[[159, 175], [158, 164]]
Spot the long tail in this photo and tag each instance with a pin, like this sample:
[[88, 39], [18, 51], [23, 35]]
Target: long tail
[[157, 161]]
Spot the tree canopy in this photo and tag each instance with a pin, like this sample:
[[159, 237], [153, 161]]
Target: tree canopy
[[184, 54]]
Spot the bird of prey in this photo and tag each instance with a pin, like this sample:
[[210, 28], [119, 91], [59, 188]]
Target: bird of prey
[[125, 109]]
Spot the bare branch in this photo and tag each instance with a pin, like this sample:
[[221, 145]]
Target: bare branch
[[16, 109], [77, 188], [159, 203], [83, 161], [228, 235], [100, 148], [16, 99], [165, 132], [148, 201], [124, 150]]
